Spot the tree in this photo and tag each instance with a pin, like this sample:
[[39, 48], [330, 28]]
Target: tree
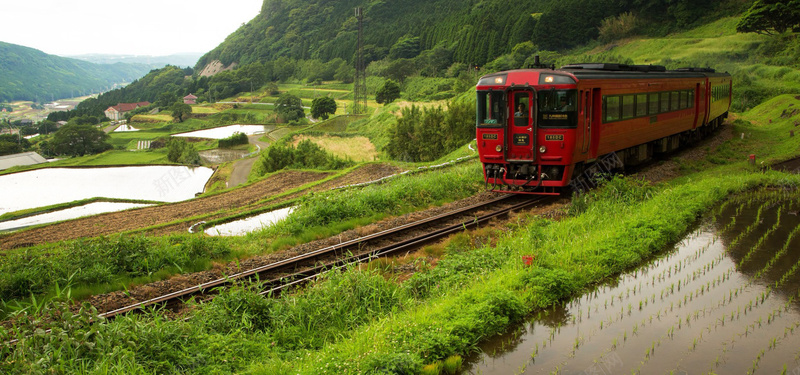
[[323, 107], [180, 151], [289, 107], [388, 93], [12, 144], [180, 110], [165, 98], [771, 17], [406, 47], [79, 139]]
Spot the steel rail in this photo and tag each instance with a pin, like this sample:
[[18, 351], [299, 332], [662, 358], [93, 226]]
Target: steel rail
[[293, 261], [310, 274]]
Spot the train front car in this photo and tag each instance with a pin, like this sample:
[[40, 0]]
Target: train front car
[[526, 130]]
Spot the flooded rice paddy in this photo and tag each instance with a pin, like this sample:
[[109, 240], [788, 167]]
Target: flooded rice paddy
[[126, 128], [50, 186], [224, 131], [250, 224], [67, 214], [724, 300]]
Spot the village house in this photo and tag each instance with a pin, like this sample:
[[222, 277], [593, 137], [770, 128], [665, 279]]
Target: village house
[[190, 99], [117, 112]]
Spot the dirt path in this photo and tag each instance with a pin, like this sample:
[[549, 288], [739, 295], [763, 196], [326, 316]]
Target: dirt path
[[241, 169]]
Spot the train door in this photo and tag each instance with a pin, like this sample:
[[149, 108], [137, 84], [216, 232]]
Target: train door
[[695, 103], [586, 115], [595, 119], [521, 133]]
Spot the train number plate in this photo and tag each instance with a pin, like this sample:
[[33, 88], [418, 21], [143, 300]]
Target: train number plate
[[521, 139], [554, 137], [555, 116], [490, 136]]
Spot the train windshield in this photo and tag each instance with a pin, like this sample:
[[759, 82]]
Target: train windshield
[[491, 108], [558, 108]]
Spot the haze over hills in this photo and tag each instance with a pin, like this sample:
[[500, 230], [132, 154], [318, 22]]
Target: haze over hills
[[30, 74], [181, 59]]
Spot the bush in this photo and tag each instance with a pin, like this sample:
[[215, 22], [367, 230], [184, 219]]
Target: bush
[[307, 155], [622, 26], [180, 151], [428, 134], [234, 140]]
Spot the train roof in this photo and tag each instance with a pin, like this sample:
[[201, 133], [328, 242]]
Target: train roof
[[608, 70]]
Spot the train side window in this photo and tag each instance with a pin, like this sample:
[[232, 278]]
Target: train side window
[[664, 102], [674, 100], [653, 103], [691, 98], [641, 105], [628, 107], [612, 108], [683, 103]]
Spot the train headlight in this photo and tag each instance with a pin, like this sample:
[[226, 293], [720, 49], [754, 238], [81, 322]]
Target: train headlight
[[542, 149], [498, 148]]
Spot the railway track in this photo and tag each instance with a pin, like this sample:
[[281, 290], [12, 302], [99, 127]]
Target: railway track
[[278, 276]]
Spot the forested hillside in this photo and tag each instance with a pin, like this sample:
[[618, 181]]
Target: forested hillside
[[30, 74], [469, 32]]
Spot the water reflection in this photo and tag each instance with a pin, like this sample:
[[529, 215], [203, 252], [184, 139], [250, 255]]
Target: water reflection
[[126, 128], [250, 224], [724, 300], [224, 131], [50, 186], [67, 214]]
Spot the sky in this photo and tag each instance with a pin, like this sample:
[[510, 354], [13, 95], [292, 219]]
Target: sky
[[132, 27]]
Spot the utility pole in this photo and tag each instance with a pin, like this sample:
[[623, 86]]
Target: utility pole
[[360, 83]]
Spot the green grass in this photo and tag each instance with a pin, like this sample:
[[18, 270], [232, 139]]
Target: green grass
[[129, 139], [357, 321], [128, 158], [111, 262], [474, 292]]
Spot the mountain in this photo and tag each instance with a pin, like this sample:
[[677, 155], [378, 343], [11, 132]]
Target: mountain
[[154, 62], [471, 32], [327, 29], [30, 74]]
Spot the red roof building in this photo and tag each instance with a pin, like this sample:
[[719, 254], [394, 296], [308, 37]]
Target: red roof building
[[118, 111], [190, 99]]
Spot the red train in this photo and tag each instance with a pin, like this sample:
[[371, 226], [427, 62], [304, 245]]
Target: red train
[[540, 130]]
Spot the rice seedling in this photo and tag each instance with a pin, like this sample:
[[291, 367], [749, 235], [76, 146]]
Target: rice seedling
[[452, 364]]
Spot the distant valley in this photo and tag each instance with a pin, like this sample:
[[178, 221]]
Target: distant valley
[[32, 75], [180, 59]]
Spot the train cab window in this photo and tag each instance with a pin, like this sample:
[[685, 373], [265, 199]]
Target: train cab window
[[491, 108], [522, 108], [557, 108], [664, 102], [612, 108], [653, 103], [641, 105], [628, 108]]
